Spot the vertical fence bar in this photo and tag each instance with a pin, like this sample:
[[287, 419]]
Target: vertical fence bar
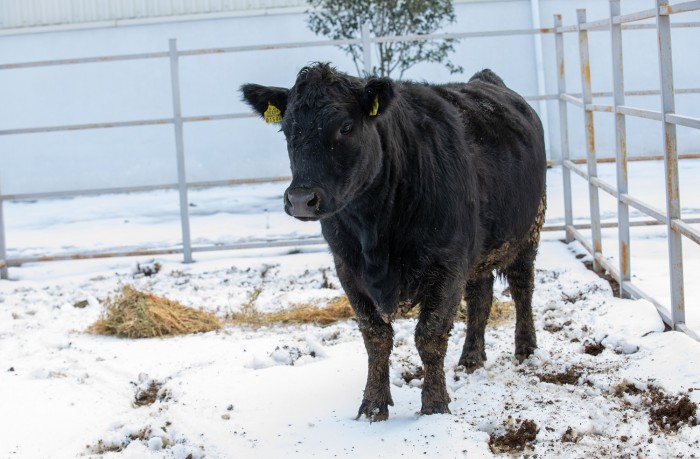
[[366, 49], [563, 126], [180, 150], [673, 206], [3, 249], [590, 137], [623, 212]]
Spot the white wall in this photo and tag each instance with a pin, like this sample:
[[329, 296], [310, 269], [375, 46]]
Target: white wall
[[248, 148]]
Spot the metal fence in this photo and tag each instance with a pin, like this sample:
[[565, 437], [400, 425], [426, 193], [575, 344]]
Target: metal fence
[[614, 24], [671, 216]]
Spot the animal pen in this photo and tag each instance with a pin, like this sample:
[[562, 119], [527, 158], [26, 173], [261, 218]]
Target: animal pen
[[677, 228]]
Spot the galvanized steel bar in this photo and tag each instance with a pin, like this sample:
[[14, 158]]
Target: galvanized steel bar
[[637, 16], [180, 150], [123, 124], [683, 120], [3, 247], [84, 60], [613, 224], [590, 138], [610, 189], [571, 99], [82, 127], [623, 213], [683, 227], [599, 108], [152, 252], [593, 25], [673, 207], [143, 188], [639, 112], [680, 7], [269, 47], [366, 49], [563, 123]]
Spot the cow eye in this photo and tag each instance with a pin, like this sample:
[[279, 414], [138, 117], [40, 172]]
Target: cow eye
[[346, 128]]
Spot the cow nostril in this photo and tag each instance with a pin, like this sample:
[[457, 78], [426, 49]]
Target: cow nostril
[[314, 201]]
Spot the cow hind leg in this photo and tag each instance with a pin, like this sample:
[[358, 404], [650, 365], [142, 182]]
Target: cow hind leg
[[479, 296], [434, 325], [521, 279]]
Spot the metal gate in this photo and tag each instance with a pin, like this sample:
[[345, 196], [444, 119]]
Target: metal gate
[[677, 228]]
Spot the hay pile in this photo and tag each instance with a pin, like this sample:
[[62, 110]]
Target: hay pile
[[134, 314], [335, 310], [339, 309], [501, 313]]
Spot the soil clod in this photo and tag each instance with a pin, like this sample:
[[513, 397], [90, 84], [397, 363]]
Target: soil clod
[[516, 438]]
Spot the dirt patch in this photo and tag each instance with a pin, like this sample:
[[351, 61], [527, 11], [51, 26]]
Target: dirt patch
[[134, 314], [148, 395], [669, 413], [410, 375], [626, 388], [570, 376], [518, 437], [570, 436], [103, 447], [593, 348]]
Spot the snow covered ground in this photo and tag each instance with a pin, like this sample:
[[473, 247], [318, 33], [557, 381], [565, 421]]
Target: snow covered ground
[[596, 387]]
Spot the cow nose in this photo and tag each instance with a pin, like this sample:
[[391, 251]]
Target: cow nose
[[303, 202]]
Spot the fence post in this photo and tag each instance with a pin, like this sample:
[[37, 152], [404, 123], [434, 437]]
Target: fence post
[[366, 49], [563, 127], [590, 138], [3, 249], [180, 150], [623, 213], [673, 206]]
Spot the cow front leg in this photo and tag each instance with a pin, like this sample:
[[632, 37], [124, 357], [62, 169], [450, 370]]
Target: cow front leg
[[434, 325], [479, 296], [379, 338]]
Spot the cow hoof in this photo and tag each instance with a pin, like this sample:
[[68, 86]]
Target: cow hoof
[[524, 352], [435, 408], [472, 361], [373, 411]]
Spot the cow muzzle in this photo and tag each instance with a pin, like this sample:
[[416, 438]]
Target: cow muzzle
[[303, 203]]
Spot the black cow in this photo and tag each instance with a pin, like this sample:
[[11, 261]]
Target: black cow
[[423, 191]]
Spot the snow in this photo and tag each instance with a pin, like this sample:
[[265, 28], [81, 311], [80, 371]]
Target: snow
[[294, 390]]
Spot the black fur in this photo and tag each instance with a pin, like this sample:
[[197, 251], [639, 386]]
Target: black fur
[[425, 199]]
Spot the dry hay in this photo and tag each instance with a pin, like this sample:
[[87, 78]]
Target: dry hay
[[340, 309], [134, 314], [501, 313], [336, 310]]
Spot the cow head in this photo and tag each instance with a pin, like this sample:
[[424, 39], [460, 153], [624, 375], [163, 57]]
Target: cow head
[[329, 120]]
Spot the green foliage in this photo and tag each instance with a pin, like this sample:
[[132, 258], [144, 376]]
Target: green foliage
[[341, 19]]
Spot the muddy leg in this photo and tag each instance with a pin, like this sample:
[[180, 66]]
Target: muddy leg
[[434, 324], [521, 278], [379, 338], [479, 296]]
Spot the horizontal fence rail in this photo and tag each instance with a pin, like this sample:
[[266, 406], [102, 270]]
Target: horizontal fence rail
[[614, 25]]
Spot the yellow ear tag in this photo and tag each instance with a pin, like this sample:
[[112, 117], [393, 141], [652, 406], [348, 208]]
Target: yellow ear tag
[[272, 114], [375, 106]]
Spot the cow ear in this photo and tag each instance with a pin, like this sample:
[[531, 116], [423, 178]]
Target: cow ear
[[377, 96], [270, 102]]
